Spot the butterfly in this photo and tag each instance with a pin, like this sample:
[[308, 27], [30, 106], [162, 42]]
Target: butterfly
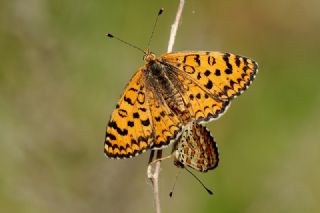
[[196, 148], [170, 92]]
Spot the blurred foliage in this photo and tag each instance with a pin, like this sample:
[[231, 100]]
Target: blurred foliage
[[60, 78]]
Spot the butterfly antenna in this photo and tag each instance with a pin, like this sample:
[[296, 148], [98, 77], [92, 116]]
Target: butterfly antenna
[[127, 43], [206, 188], [174, 184], [154, 27]]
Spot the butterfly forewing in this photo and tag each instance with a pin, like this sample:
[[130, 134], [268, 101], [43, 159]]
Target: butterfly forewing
[[224, 75], [141, 120], [129, 130]]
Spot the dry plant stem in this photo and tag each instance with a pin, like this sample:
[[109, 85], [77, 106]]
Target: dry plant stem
[[174, 26], [154, 175], [154, 178]]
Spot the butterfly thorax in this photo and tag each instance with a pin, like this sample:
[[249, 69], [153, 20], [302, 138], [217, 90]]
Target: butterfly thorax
[[164, 84]]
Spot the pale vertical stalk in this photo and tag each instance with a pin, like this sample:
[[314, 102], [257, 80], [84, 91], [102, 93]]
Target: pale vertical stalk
[[174, 26], [153, 175], [154, 178]]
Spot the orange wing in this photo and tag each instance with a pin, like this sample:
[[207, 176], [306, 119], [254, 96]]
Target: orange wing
[[224, 75], [129, 131], [167, 125], [140, 121], [202, 106], [206, 82], [196, 148]]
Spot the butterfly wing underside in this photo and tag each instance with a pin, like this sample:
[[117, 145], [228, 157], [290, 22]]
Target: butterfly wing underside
[[196, 148]]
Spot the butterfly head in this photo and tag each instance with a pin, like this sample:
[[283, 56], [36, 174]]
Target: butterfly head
[[149, 56]]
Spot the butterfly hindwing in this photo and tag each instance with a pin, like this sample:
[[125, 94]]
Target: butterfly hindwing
[[196, 148], [167, 125], [202, 106]]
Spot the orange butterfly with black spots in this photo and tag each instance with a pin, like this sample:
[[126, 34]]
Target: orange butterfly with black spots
[[171, 92]]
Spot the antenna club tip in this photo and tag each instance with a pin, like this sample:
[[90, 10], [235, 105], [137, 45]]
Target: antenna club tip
[[109, 35], [160, 11], [170, 194], [209, 191]]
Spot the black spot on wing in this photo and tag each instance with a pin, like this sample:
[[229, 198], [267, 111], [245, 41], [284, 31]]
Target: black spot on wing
[[111, 136], [185, 59], [121, 148], [122, 113], [136, 115], [114, 125], [207, 73], [142, 109], [107, 142], [145, 122], [128, 100], [232, 83], [141, 98], [226, 59], [198, 76], [237, 60], [188, 69], [134, 141], [209, 85], [130, 123], [228, 71], [199, 112], [197, 59], [133, 89], [211, 60]]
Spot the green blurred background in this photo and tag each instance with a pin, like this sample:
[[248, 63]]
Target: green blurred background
[[60, 79]]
